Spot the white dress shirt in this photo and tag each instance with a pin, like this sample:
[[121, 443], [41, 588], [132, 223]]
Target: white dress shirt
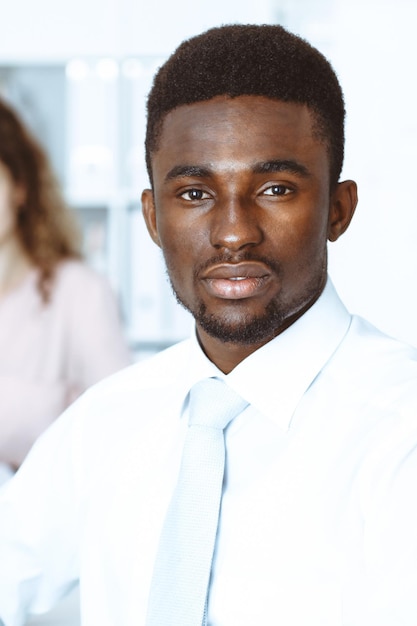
[[319, 516]]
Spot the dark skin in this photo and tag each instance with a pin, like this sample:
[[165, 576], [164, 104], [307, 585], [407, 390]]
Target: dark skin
[[242, 208]]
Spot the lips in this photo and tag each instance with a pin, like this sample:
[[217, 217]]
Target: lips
[[236, 281]]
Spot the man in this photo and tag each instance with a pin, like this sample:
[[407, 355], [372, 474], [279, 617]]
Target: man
[[318, 517]]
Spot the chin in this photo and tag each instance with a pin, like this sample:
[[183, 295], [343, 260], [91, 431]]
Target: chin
[[241, 329]]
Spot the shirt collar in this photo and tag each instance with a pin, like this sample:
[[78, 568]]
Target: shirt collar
[[275, 377]]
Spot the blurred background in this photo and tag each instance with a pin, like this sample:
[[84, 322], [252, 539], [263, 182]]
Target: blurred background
[[78, 73]]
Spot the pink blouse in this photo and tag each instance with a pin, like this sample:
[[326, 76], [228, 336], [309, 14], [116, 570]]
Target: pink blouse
[[49, 354]]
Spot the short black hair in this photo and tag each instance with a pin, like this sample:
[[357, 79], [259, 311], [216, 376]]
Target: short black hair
[[262, 60]]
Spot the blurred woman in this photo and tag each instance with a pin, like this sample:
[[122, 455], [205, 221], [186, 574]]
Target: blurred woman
[[60, 330]]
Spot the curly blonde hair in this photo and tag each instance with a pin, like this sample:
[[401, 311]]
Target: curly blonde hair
[[46, 226]]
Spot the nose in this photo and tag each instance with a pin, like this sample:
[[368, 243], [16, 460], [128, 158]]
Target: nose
[[235, 225]]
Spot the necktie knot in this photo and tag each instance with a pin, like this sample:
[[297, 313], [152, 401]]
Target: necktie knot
[[213, 404]]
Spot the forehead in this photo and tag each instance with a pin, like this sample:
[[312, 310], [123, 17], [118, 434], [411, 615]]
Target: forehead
[[242, 128]]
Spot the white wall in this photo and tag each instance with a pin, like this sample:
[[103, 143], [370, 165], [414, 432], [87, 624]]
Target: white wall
[[379, 78], [375, 266], [45, 30]]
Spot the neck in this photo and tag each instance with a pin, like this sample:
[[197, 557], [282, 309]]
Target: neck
[[226, 355], [14, 265]]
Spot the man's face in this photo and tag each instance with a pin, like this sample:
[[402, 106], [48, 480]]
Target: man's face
[[242, 211]]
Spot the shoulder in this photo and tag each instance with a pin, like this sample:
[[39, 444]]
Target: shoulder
[[128, 396], [164, 369], [77, 274], [156, 377], [384, 352], [374, 369], [79, 286]]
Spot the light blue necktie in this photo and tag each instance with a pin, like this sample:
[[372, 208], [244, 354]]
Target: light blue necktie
[[182, 568]]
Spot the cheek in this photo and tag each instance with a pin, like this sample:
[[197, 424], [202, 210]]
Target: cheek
[[178, 251], [182, 240], [300, 245], [312, 249], [299, 233]]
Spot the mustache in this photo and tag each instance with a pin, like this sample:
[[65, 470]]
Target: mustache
[[270, 263]]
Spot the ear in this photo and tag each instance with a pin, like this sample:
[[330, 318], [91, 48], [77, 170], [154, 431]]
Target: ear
[[149, 214], [343, 203]]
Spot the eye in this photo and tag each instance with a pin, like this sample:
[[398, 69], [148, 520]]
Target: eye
[[277, 190], [194, 195]]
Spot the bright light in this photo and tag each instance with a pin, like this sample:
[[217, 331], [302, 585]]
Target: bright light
[[132, 68], [107, 69], [77, 69]]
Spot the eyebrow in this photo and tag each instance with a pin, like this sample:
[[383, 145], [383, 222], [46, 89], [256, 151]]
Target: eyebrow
[[279, 165], [262, 167], [182, 171]]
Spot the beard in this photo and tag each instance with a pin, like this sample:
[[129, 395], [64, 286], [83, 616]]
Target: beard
[[249, 330], [242, 328]]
